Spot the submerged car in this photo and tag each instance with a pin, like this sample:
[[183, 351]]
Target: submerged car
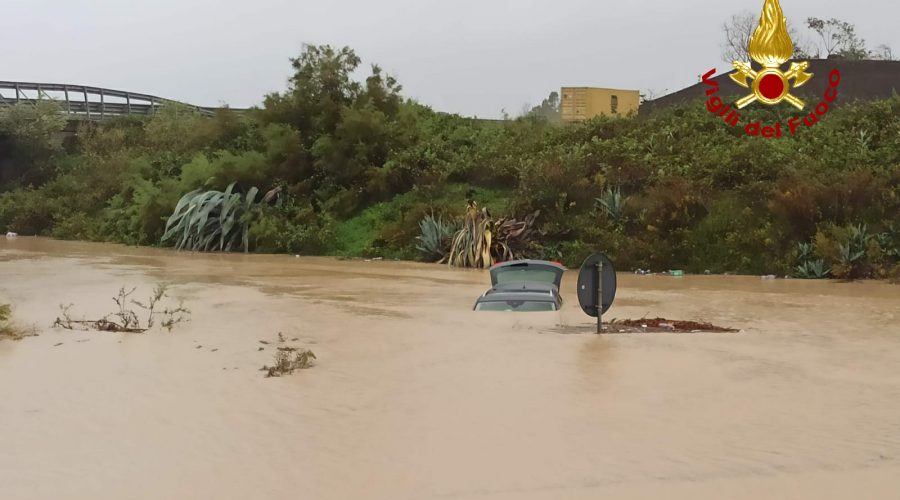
[[523, 286]]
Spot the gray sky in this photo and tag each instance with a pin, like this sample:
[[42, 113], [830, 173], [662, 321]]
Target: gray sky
[[473, 57]]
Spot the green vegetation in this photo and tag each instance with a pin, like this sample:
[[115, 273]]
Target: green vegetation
[[288, 360], [483, 240], [354, 169], [436, 237], [6, 330], [9, 330], [211, 220]]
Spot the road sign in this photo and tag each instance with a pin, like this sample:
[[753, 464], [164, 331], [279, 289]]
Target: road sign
[[597, 278]]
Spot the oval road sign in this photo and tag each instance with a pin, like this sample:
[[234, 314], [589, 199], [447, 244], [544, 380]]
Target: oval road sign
[[587, 284]]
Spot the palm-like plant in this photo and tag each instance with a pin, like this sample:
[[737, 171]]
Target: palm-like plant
[[211, 220], [483, 240]]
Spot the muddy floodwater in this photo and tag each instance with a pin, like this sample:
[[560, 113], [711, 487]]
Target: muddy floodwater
[[416, 397]]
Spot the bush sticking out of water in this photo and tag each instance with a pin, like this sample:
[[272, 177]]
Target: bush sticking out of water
[[8, 331], [126, 319], [289, 359]]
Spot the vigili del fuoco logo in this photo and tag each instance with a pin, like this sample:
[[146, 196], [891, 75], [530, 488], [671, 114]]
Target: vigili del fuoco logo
[[770, 47]]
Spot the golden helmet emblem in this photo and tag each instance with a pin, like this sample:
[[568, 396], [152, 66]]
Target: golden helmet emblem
[[771, 46]]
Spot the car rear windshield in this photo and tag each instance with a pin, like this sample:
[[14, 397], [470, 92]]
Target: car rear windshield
[[518, 275], [516, 305]]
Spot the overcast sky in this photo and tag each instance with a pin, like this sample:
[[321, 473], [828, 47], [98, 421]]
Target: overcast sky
[[473, 57]]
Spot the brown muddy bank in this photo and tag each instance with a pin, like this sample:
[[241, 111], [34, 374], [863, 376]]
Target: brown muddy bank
[[414, 396]]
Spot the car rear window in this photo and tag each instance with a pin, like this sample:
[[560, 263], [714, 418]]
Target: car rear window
[[516, 305], [518, 275]]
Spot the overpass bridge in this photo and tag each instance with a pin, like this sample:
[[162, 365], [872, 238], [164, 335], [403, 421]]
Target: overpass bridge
[[81, 102]]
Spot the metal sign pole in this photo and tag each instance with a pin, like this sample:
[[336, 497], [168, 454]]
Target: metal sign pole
[[600, 297]]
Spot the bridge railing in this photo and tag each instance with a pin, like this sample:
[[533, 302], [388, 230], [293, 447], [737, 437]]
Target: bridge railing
[[88, 102]]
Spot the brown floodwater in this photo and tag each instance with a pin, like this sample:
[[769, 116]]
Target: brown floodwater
[[416, 397]]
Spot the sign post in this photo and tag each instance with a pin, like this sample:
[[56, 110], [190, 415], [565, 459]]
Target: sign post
[[596, 287], [600, 296]]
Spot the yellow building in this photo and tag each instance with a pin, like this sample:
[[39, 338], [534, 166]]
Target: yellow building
[[583, 103]]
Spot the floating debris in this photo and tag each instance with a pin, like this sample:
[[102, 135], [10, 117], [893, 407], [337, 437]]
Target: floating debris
[[288, 360], [664, 325], [655, 325]]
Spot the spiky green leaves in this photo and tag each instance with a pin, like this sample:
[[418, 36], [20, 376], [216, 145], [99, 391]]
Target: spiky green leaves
[[211, 220], [434, 242], [483, 240]]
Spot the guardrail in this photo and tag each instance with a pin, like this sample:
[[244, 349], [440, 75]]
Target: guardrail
[[92, 103]]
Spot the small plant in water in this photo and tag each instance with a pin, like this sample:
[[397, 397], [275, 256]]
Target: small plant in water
[[127, 320], [289, 359], [7, 329]]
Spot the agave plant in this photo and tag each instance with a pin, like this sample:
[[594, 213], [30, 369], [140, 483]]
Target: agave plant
[[852, 253], [849, 254], [434, 242], [211, 220], [612, 202], [805, 251], [483, 240], [813, 270], [859, 236]]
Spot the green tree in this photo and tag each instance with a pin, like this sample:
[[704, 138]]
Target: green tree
[[30, 136], [549, 108], [348, 129], [839, 39]]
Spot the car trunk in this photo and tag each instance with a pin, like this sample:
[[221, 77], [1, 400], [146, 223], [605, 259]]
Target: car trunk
[[527, 271]]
